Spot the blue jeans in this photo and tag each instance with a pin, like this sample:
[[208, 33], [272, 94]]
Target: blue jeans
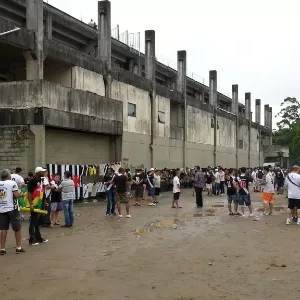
[[217, 188], [111, 202], [68, 211]]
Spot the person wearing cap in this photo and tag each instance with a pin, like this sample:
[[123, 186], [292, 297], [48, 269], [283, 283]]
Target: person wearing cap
[[150, 187], [35, 185], [9, 210]]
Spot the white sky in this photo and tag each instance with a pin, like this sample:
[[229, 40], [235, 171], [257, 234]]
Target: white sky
[[253, 43]]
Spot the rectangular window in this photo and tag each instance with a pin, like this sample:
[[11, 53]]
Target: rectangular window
[[241, 144], [161, 117], [131, 110]]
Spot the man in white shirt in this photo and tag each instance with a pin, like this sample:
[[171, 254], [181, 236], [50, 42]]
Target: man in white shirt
[[217, 182], [268, 191], [9, 210], [254, 177], [18, 178], [292, 182], [176, 190]]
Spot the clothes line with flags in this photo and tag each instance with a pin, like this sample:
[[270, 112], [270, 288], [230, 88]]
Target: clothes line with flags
[[88, 179]]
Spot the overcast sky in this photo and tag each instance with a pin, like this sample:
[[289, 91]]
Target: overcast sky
[[253, 43]]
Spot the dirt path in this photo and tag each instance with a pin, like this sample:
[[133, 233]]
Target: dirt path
[[161, 253]]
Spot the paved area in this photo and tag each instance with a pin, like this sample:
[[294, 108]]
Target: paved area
[[161, 253]]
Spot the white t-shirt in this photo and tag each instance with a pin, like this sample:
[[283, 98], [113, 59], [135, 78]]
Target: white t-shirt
[[157, 180], [293, 189], [254, 175], [217, 177], [176, 182], [7, 200], [18, 179], [269, 185]]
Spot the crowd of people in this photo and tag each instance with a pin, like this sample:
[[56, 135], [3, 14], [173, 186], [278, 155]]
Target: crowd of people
[[144, 186]]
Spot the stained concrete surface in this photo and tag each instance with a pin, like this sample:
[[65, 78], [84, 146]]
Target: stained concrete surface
[[160, 253]]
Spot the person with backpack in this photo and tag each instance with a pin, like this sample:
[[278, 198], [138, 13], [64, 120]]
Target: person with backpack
[[260, 176]]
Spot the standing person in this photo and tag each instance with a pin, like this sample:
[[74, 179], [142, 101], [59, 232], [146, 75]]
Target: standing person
[[29, 177], [110, 192], [217, 182], [268, 191], [67, 189], [36, 190], [138, 181], [259, 178], [244, 196], [150, 187], [222, 181], [157, 183], [254, 178], [176, 189], [209, 181], [292, 182], [199, 185], [280, 181], [120, 181], [56, 204], [18, 178], [232, 195], [9, 211]]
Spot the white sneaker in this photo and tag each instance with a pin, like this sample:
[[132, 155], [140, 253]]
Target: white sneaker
[[243, 215], [298, 222], [128, 216], [251, 215], [288, 221], [152, 204], [120, 216]]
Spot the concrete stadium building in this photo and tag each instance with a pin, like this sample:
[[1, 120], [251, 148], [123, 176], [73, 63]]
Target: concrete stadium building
[[72, 94]]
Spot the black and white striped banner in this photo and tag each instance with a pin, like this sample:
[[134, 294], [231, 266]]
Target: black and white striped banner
[[88, 179]]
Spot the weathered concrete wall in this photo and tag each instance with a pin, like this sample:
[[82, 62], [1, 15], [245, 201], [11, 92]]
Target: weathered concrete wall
[[16, 148], [89, 81], [58, 73], [71, 147]]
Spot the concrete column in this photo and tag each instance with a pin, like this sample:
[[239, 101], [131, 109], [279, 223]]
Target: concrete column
[[39, 145], [104, 32], [213, 93], [248, 106], [181, 88], [48, 26], [34, 21], [267, 111], [235, 99], [150, 68], [270, 118], [258, 111]]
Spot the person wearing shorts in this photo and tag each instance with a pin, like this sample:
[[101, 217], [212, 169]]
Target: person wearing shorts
[[232, 195], [292, 182], [157, 183], [56, 204], [150, 187], [244, 196], [9, 211], [120, 181], [268, 191], [138, 181], [176, 190]]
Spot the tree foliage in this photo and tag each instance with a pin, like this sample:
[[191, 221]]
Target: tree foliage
[[288, 133]]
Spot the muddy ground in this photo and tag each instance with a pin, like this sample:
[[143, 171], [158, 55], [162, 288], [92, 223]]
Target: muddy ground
[[161, 253]]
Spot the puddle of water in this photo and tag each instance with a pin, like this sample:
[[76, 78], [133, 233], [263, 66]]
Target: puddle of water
[[165, 223], [217, 205]]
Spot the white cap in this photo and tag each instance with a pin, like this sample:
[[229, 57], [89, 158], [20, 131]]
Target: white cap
[[39, 169], [152, 169]]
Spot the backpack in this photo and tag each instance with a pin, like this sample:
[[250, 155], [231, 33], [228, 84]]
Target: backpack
[[260, 175]]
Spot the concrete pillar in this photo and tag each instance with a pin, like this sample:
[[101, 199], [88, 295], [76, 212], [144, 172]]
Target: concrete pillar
[[34, 21], [150, 68], [213, 93], [270, 118], [248, 106], [235, 99], [258, 111], [48, 26], [39, 145], [104, 32], [267, 111], [181, 88]]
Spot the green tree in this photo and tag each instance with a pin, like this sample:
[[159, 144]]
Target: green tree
[[288, 133]]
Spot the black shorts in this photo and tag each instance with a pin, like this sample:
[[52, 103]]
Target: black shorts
[[11, 217], [176, 196], [294, 203], [139, 191], [157, 191]]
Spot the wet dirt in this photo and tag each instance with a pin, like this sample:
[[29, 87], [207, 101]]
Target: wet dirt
[[209, 255]]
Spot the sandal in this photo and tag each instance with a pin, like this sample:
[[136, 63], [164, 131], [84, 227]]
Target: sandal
[[173, 206]]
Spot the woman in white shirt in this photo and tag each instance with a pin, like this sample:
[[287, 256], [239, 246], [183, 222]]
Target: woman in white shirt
[[157, 181]]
